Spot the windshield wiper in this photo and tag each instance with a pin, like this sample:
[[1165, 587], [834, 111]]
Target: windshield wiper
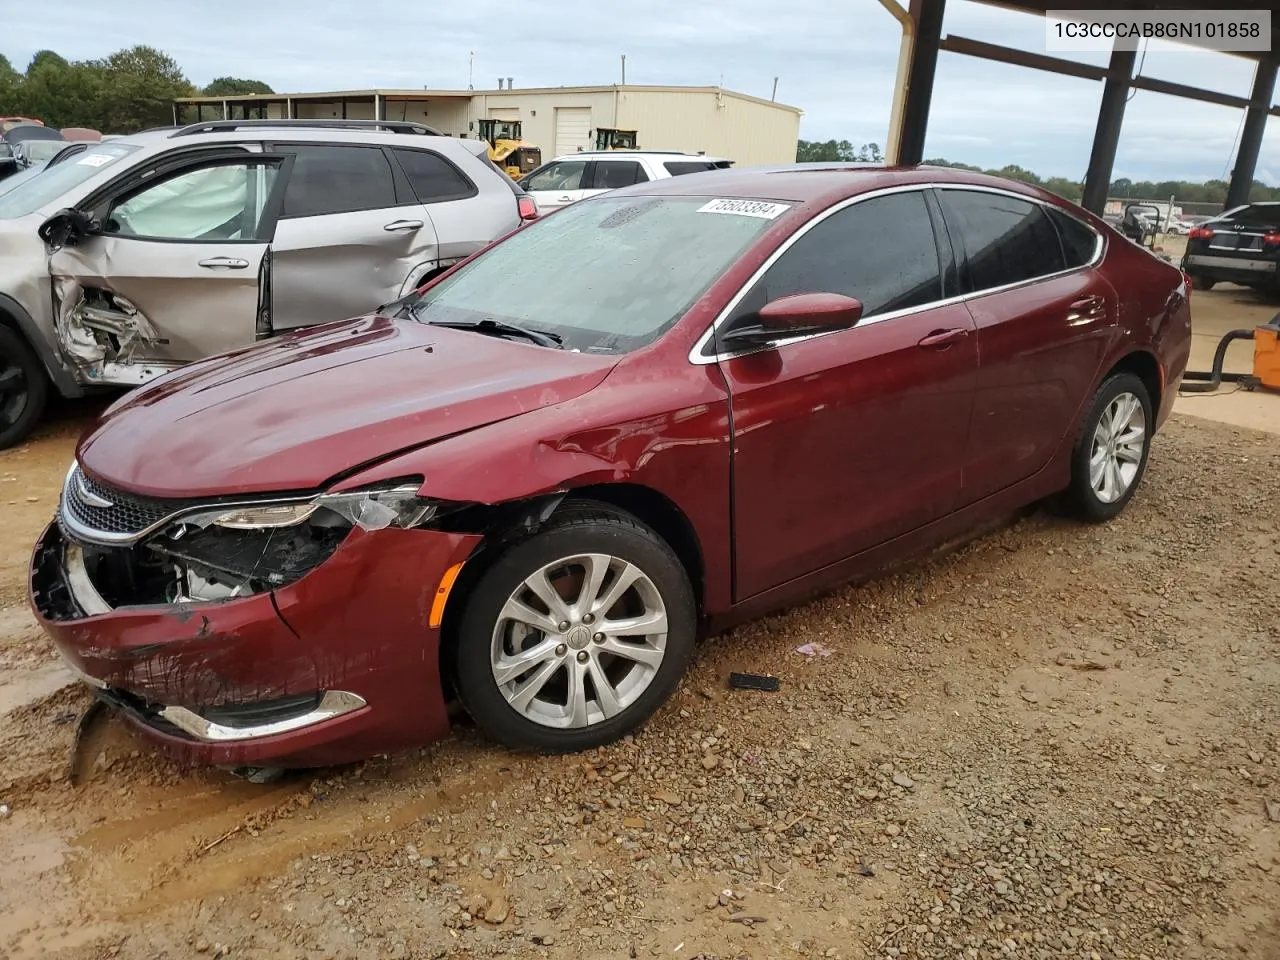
[[489, 325]]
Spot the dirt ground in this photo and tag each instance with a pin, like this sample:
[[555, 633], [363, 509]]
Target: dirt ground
[[1056, 741]]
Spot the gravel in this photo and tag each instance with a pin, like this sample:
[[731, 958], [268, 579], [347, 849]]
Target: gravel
[[1057, 741]]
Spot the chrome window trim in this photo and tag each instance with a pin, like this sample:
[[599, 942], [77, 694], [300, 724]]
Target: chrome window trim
[[697, 357]]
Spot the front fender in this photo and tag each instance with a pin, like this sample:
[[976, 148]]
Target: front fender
[[669, 435]]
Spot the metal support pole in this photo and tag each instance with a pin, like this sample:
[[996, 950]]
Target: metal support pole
[[927, 15], [1106, 137], [1255, 125], [905, 48]]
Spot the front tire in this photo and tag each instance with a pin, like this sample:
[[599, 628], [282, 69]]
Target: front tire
[[24, 388], [1110, 455], [573, 637]]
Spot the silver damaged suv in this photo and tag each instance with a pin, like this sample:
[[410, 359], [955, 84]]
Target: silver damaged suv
[[146, 252]]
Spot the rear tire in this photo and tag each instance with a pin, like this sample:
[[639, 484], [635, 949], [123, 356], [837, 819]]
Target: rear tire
[[1110, 454], [554, 677], [1202, 283], [24, 388]]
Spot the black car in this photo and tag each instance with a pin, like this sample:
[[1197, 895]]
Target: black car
[[1240, 246]]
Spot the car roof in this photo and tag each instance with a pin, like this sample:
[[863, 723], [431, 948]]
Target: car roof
[[632, 154], [822, 182], [254, 133]]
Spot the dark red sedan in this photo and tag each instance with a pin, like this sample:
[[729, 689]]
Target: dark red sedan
[[646, 417]]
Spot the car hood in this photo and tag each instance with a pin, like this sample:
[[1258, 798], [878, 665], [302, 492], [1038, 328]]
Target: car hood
[[293, 412]]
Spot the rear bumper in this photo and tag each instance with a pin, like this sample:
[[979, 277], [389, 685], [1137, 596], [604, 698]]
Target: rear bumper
[[1232, 269], [336, 667]]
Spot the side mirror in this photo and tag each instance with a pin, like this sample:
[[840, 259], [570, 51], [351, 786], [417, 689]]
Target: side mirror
[[66, 228], [801, 313]]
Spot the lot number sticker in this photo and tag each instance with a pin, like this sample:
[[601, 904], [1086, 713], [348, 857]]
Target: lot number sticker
[[95, 159], [746, 208]]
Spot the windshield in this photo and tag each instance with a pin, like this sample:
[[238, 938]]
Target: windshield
[[38, 151], [53, 182], [606, 275], [18, 179]]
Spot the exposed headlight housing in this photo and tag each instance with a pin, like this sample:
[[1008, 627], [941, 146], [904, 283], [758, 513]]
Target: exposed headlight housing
[[376, 509], [259, 518], [370, 509]]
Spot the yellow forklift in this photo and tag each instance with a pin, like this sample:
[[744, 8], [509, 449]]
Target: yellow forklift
[[607, 139], [507, 149]]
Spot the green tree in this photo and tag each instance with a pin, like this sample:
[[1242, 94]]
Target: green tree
[[837, 151], [1063, 187], [139, 86], [234, 87], [870, 152], [61, 94]]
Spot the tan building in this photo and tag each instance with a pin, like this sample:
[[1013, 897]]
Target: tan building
[[559, 120]]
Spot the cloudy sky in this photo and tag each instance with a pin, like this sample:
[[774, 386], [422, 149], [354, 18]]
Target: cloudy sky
[[836, 60]]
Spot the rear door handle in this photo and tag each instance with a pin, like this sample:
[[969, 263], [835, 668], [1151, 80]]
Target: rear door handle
[[224, 263], [1086, 309], [566, 199], [941, 339], [403, 225]]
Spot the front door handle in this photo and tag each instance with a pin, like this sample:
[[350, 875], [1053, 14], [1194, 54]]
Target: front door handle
[[223, 263], [566, 199], [941, 339], [403, 225]]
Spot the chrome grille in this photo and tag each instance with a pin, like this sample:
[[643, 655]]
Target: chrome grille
[[124, 515]]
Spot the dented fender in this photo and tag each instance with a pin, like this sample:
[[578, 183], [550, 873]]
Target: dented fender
[[670, 437]]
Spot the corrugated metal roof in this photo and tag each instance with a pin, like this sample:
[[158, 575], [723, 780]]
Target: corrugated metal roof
[[400, 94]]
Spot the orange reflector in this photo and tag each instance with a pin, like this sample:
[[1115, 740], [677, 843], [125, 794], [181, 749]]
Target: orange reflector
[[442, 594]]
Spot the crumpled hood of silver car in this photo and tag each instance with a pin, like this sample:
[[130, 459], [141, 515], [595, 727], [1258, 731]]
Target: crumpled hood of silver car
[[290, 413]]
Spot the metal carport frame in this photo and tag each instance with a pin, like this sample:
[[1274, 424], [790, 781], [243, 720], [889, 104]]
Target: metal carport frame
[[923, 39]]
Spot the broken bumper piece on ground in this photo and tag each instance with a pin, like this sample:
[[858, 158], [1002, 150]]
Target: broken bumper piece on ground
[[333, 665]]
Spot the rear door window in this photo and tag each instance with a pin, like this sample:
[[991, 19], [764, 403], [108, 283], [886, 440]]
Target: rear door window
[[330, 179], [433, 178], [1006, 240], [615, 174]]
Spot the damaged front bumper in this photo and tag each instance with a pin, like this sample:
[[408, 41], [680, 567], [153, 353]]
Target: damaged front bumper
[[335, 666]]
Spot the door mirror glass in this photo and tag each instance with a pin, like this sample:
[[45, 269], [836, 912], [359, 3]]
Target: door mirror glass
[[66, 228]]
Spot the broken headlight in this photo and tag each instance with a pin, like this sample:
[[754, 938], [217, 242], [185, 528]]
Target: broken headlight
[[372, 509], [379, 508], [237, 550], [257, 518]]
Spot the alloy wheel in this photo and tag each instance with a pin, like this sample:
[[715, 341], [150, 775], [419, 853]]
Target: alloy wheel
[[579, 640], [14, 391], [1119, 441]]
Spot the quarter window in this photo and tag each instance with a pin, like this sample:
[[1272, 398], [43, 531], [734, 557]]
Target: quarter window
[[1079, 242], [880, 251], [615, 174], [1006, 240], [432, 177], [678, 168], [328, 179]]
